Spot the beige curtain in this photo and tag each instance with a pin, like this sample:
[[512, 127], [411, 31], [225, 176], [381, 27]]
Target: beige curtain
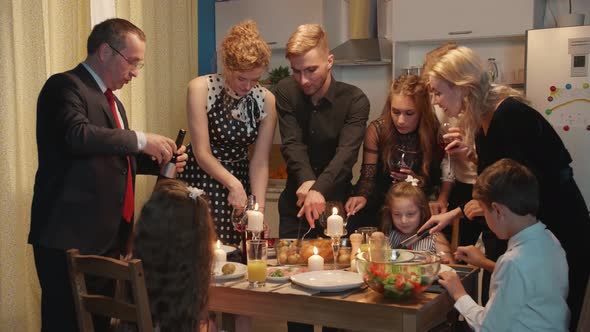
[[42, 37]]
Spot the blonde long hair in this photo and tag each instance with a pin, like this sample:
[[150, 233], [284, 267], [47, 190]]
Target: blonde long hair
[[463, 67]]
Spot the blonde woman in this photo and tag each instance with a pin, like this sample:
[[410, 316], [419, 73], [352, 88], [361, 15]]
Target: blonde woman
[[227, 113], [498, 121]]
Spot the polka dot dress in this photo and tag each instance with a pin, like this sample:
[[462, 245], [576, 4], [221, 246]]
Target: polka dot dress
[[233, 125]]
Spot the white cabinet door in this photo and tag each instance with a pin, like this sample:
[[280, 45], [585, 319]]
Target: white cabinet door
[[423, 20], [276, 19]]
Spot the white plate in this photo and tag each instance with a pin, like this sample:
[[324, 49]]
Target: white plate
[[328, 281], [228, 249], [287, 273], [238, 273]]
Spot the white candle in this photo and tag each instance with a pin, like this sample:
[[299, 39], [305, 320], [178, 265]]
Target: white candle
[[315, 262], [335, 223], [255, 219], [219, 255]]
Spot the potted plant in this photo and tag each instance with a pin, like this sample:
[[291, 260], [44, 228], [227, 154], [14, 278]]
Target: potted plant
[[570, 19], [275, 75]]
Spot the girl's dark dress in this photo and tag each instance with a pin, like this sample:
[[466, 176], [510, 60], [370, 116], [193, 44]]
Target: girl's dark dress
[[520, 133]]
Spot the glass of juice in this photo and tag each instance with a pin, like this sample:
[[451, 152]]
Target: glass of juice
[[256, 253]]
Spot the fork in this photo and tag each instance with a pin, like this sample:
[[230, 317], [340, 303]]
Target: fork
[[301, 241]]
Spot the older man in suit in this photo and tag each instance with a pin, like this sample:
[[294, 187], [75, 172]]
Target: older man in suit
[[88, 158]]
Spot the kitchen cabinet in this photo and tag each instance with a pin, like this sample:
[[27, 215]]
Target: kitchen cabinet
[[276, 19], [494, 29], [427, 20]]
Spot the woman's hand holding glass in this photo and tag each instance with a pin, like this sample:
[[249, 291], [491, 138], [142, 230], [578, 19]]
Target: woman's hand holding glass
[[401, 166], [454, 144], [237, 197]]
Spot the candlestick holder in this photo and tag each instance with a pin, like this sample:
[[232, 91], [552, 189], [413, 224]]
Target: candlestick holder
[[334, 220], [336, 244]]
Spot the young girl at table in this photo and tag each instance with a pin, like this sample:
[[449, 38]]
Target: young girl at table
[[173, 238], [406, 209]]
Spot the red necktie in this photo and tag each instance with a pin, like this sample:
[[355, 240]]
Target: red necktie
[[129, 201]]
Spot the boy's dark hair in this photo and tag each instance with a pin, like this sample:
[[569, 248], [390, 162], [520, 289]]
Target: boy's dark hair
[[174, 239], [112, 32], [511, 184]]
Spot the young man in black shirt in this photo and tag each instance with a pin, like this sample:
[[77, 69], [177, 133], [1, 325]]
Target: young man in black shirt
[[322, 123]]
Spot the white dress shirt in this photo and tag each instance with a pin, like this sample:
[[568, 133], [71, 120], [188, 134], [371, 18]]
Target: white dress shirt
[[528, 289], [141, 139]]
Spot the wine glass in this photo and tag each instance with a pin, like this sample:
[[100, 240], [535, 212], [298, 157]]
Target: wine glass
[[334, 220], [239, 217], [403, 158], [443, 142]]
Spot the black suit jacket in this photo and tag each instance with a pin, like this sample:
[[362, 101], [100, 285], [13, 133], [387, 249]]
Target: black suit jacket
[[82, 174]]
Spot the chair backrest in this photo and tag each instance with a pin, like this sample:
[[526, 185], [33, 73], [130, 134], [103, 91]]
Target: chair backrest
[[109, 268], [584, 321]]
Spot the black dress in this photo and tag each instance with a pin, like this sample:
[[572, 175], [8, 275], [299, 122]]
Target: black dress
[[233, 125], [520, 133]]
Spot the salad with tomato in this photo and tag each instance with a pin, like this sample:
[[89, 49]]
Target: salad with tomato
[[398, 282]]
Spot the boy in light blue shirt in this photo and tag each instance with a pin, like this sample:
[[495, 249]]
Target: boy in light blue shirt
[[529, 283]]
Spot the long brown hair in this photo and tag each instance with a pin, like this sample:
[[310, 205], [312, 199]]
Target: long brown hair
[[413, 87], [174, 240], [404, 190]]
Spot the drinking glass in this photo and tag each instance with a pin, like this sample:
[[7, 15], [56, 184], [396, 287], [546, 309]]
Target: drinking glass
[[443, 142], [366, 234], [403, 158], [239, 218], [257, 254]]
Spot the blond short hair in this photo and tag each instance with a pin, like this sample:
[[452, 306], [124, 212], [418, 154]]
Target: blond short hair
[[243, 48], [306, 38]]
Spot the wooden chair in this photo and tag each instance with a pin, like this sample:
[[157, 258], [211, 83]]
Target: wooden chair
[[109, 268], [584, 322]]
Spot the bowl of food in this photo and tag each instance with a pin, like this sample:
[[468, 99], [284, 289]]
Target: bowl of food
[[398, 274], [291, 252]]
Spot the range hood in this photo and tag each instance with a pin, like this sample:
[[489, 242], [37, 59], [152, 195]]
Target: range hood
[[366, 45]]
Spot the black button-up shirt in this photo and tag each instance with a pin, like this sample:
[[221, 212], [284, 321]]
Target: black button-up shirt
[[321, 142]]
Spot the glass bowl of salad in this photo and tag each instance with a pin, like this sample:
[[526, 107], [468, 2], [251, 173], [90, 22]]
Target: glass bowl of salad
[[398, 274]]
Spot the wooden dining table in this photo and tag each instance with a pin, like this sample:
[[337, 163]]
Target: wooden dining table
[[365, 310]]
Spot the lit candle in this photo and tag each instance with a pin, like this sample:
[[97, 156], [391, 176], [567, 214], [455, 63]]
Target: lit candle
[[255, 218], [335, 223], [315, 262], [219, 255]]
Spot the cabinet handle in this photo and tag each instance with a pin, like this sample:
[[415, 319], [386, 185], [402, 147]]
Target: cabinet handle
[[463, 32], [271, 43]]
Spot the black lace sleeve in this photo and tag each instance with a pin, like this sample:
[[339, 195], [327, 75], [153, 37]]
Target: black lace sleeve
[[366, 183]]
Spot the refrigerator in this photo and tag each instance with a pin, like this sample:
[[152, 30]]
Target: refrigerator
[[558, 85]]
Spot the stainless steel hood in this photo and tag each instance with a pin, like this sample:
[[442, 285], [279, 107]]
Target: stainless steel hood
[[366, 45]]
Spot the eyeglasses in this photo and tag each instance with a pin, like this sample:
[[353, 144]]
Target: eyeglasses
[[135, 64]]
